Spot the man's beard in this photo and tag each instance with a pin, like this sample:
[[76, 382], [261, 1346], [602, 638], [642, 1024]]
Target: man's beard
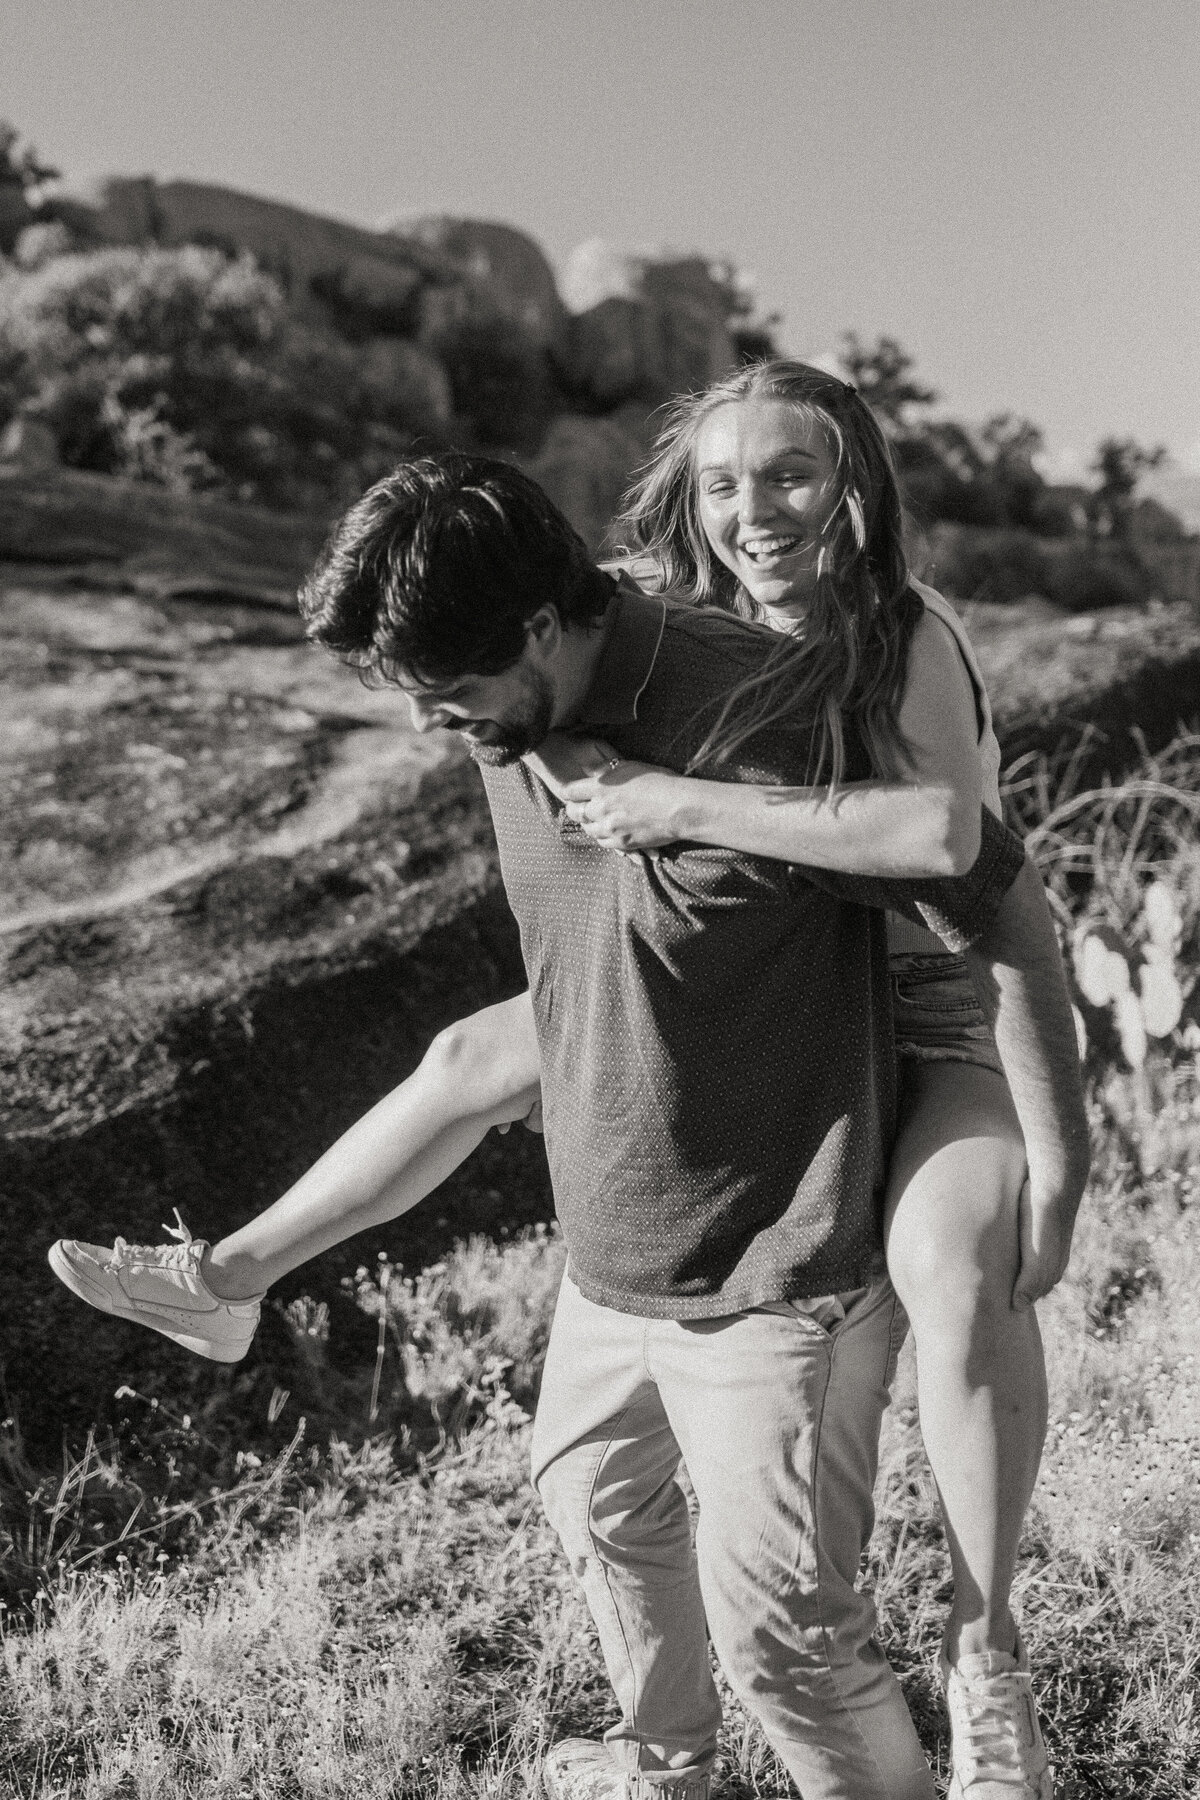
[[523, 730]]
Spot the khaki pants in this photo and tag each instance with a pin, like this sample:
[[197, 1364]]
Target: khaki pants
[[776, 1419]]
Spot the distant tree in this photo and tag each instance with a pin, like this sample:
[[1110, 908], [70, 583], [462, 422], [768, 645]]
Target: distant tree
[[1012, 445], [1120, 464], [948, 470], [22, 176], [882, 373], [21, 168]]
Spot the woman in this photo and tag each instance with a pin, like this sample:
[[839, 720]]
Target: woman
[[773, 494]]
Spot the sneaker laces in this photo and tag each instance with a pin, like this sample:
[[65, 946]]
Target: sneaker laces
[[991, 1737], [167, 1256]]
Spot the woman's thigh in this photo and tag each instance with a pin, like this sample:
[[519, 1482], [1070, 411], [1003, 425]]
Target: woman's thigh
[[954, 1184]]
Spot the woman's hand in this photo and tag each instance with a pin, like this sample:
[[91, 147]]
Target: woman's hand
[[621, 805]]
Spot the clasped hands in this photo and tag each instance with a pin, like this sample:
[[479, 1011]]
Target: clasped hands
[[621, 805]]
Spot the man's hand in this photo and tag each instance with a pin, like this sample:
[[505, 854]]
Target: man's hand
[[1046, 1222], [532, 1120]]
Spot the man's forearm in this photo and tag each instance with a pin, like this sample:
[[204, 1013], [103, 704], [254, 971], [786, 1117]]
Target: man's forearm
[[1018, 971]]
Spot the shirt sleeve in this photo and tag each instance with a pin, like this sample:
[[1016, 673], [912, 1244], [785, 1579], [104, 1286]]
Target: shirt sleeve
[[959, 908]]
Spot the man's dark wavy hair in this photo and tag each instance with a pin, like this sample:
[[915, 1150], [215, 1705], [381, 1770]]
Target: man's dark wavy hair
[[433, 574]]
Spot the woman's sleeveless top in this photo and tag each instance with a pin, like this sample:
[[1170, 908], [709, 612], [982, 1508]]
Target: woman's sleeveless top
[[905, 938]]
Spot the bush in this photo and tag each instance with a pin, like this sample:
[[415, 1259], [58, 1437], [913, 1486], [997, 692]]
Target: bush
[[184, 367], [989, 565], [1008, 565], [1092, 575]]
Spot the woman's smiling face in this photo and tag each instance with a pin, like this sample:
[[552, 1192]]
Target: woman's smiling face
[[765, 490]]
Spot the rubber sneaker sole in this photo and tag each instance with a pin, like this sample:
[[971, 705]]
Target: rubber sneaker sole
[[213, 1348]]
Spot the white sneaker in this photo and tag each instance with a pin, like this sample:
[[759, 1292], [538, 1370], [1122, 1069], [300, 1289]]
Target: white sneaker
[[996, 1744], [159, 1285], [579, 1769]]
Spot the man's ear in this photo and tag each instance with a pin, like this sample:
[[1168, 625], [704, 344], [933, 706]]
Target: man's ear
[[544, 632]]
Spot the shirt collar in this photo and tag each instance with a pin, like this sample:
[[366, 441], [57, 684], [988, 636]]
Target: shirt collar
[[633, 629]]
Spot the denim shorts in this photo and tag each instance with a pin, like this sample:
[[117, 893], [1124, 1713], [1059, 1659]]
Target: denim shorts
[[936, 1013]]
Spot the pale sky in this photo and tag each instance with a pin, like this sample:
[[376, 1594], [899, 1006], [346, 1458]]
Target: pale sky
[[1010, 187]]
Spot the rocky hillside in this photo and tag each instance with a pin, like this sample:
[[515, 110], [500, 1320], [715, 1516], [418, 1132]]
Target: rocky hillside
[[239, 895], [445, 331]]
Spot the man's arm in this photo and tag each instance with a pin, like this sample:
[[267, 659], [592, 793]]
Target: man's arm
[[1018, 973]]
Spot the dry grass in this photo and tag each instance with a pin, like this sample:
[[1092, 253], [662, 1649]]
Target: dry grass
[[388, 1631]]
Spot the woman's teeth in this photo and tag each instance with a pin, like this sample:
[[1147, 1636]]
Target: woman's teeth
[[762, 549]]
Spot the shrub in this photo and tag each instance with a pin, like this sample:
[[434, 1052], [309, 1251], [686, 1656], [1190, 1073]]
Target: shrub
[[1122, 866], [990, 565], [1093, 575], [1003, 565], [184, 367]]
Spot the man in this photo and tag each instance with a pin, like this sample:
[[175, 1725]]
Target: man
[[718, 1097]]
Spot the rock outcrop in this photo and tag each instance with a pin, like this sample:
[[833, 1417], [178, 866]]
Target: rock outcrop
[[584, 465], [503, 273], [464, 324], [239, 896], [644, 327], [308, 254]]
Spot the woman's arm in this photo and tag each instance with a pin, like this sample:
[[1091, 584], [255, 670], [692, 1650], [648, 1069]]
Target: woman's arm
[[924, 825]]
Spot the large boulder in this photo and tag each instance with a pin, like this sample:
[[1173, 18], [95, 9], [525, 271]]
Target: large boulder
[[503, 274], [644, 327], [317, 260], [238, 896], [139, 538], [376, 292], [585, 465]]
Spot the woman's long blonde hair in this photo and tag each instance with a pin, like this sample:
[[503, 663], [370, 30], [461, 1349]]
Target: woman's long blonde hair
[[848, 661]]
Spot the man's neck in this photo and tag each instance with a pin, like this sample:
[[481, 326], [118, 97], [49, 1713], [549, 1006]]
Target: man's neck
[[579, 655]]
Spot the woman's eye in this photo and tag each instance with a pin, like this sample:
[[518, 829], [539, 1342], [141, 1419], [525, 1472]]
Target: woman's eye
[[717, 490]]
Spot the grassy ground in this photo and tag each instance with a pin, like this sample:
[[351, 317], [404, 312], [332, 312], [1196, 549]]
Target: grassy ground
[[395, 1620], [343, 1585]]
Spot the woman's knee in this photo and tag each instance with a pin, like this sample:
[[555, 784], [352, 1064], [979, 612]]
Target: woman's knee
[[952, 1214], [486, 1061], [956, 1273]]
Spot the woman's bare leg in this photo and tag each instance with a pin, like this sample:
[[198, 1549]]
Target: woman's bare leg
[[951, 1233], [478, 1073]]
